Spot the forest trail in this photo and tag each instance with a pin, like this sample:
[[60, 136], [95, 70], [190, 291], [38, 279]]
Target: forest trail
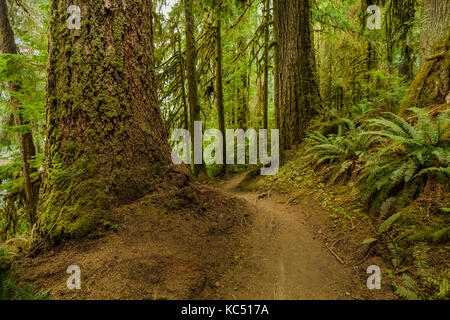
[[282, 258], [222, 244]]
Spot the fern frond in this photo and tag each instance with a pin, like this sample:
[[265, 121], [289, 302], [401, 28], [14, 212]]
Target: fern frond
[[389, 222]]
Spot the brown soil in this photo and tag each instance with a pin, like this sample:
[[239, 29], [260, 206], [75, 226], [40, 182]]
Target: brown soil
[[220, 243], [167, 246], [286, 254]]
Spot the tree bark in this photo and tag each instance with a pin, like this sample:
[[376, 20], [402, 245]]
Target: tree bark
[[299, 96], [436, 23], [242, 112], [26, 144], [191, 68], [183, 88], [219, 81], [106, 143], [266, 64], [276, 69]]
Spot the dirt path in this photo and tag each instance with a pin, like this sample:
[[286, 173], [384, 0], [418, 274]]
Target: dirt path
[[281, 258], [201, 242]]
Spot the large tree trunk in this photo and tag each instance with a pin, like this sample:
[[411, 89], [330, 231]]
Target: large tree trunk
[[106, 143], [431, 86], [26, 144], [299, 93], [191, 67], [436, 23]]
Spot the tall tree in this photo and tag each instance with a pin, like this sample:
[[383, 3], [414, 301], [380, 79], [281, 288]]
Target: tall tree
[[106, 143], [191, 67], [267, 21], [243, 92], [276, 67], [298, 90], [183, 81], [26, 144], [219, 76]]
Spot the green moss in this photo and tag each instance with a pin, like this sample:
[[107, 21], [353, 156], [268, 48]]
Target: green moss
[[441, 236], [430, 85], [76, 201], [75, 211]]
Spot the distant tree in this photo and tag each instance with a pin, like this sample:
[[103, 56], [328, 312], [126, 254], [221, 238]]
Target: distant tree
[[191, 67], [26, 144]]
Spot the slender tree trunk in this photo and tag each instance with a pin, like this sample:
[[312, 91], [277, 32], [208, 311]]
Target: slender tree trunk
[[243, 109], [219, 81], [242, 114], [106, 143], [191, 67], [299, 93], [259, 99], [276, 70], [26, 144], [266, 64], [183, 88]]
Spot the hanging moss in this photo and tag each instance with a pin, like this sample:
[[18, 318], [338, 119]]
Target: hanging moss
[[432, 84]]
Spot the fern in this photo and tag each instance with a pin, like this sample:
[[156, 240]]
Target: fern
[[10, 290], [411, 155], [408, 288], [340, 152], [388, 223]]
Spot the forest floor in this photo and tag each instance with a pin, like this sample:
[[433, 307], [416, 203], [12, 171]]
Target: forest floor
[[224, 243], [286, 255]]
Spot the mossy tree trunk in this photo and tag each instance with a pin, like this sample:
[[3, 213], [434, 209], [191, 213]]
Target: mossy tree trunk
[[299, 96], [431, 86], [106, 144], [26, 144]]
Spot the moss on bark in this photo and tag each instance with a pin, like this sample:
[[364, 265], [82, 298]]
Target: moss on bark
[[106, 144], [432, 84]]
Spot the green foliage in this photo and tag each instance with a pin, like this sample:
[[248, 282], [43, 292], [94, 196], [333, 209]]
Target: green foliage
[[28, 71], [407, 289], [412, 155], [342, 152], [10, 290], [109, 226], [388, 223]]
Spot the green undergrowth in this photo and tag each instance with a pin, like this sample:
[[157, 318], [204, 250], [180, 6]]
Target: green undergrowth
[[11, 290]]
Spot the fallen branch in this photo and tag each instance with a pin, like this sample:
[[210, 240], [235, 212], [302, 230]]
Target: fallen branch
[[334, 254]]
